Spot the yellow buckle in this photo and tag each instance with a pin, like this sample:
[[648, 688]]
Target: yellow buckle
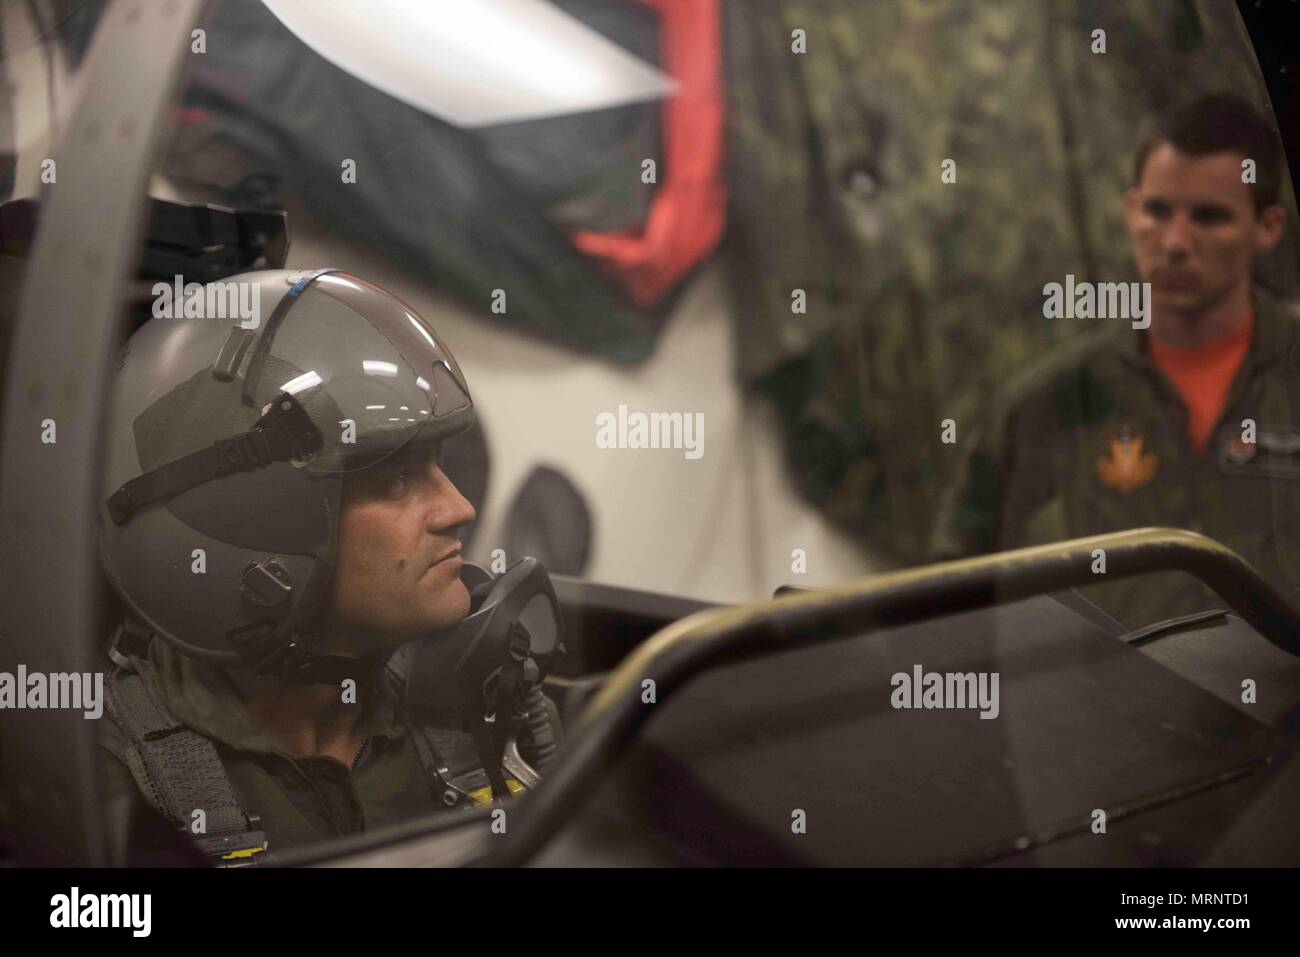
[[243, 852], [484, 795]]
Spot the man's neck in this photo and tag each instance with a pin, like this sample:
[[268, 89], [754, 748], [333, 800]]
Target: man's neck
[[313, 718], [310, 719], [1187, 330]]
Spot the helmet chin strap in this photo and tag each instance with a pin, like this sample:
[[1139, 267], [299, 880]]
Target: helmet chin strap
[[302, 667]]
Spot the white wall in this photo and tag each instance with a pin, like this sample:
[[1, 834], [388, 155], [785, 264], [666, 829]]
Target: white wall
[[40, 93]]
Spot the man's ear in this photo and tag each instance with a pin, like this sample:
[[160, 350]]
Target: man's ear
[[1269, 226]]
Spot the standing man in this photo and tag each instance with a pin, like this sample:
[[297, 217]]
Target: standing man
[[1190, 422]]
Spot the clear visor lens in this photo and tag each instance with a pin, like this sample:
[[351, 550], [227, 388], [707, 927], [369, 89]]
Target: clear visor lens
[[369, 371]]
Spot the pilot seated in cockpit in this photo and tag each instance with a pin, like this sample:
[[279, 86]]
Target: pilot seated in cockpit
[[294, 660]]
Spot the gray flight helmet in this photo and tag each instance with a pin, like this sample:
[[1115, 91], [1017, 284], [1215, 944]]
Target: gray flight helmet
[[228, 441]]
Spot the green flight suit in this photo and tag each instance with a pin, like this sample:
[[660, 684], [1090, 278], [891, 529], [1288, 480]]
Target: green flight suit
[[1093, 439], [298, 799]]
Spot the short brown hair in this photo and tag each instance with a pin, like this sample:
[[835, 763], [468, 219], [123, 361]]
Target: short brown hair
[[1220, 123]]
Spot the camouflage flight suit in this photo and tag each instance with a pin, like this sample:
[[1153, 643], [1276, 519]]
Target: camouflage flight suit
[[1094, 439], [298, 799]]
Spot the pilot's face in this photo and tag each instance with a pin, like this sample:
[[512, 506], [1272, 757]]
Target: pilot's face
[[1195, 229], [397, 572]]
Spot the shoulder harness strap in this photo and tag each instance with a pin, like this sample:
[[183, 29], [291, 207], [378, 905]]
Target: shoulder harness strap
[[179, 771]]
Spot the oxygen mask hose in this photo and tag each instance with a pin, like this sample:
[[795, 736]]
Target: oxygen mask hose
[[540, 740]]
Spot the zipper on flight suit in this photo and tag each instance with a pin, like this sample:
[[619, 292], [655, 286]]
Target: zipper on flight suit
[[356, 758]]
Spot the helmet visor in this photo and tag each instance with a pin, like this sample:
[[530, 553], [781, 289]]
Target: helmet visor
[[370, 372]]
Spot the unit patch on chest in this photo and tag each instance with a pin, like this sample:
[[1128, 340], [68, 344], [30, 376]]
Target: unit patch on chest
[[1126, 465]]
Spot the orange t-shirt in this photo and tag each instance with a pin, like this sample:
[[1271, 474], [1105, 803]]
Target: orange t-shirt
[[1203, 374]]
